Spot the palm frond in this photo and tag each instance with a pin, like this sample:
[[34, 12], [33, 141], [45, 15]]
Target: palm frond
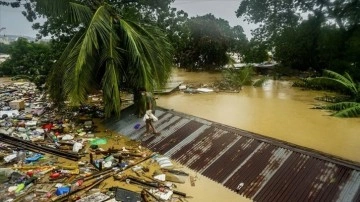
[[335, 75], [99, 54], [336, 78], [111, 78], [247, 74], [79, 74], [161, 56], [134, 48], [149, 52], [340, 106], [352, 110], [75, 12], [55, 80], [352, 85], [111, 93], [348, 77], [80, 13]]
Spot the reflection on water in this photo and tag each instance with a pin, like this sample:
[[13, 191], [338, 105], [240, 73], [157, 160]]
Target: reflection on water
[[276, 110]]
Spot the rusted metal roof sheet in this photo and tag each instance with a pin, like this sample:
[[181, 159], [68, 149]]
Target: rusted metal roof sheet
[[259, 168]]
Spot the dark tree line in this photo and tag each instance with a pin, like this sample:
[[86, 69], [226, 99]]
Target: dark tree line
[[209, 43], [302, 35], [310, 34]]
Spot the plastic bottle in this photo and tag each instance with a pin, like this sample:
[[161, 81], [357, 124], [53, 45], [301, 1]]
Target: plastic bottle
[[20, 187]]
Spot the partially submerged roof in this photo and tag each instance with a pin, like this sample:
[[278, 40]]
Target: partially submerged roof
[[257, 167]]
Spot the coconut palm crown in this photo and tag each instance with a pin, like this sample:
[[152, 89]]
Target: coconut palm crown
[[107, 53], [348, 108]]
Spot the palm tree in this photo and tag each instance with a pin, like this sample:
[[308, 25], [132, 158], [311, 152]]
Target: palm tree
[[238, 78], [346, 85], [107, 53]]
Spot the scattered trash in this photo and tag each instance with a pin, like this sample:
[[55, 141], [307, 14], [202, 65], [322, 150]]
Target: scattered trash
[[205, 90], [182, 87], [62, 190], [10, 158], [77, 146], [98, 141], [57, 155], [126, 195], [241, 184], [33, 158], [96, 197], [137, 126], [162, 194], [164, 162]]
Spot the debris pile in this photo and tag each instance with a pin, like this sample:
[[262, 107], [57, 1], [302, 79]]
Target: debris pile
[[50, 155], [195, 88]]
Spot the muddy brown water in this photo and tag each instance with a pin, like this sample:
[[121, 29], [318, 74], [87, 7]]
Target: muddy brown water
[[275, 110]]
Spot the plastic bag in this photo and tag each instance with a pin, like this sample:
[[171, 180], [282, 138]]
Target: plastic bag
[[149, 115]]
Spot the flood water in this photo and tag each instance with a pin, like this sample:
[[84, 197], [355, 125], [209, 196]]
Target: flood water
[[275, 110]]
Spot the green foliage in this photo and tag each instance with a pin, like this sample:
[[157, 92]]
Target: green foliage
[[297, 47], [345, 109], [343, 83], [106, 45], [255, 52], [238, 40], [327, 38], [107, 53], [174, 24], [346, 85], [4, 48], [30, 59], [207, 46], [236, 78], [209, 41]]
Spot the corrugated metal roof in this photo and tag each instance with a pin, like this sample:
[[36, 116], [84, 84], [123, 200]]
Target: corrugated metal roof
[[257, 167]]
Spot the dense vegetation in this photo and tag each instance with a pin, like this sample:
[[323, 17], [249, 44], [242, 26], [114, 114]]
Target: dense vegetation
[[28, 59], [347, 102], [306, 34], [102, 50], [209, 42], [119, 40]]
